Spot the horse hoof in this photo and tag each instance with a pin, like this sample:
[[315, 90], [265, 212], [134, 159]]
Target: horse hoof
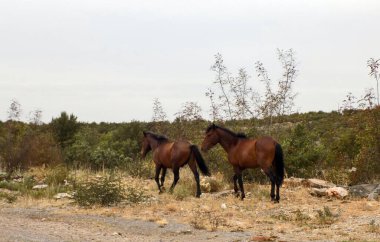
[[276, 201]]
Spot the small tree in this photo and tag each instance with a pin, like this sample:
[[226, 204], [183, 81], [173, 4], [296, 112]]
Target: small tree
[[35, 117], [64, 128], [234, 98], [159, 117], [242, 94], [186, 120], [190, 111], [14, 111], [374, 66], [223, 80], [159, 114]]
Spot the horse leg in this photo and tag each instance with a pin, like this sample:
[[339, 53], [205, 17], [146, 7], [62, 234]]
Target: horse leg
[[176, 177], [163, 174], [272, 179], [272, 191], [277, 200], [158, 169], [238, 173], [193, 168], [236, 189], [274, 184]]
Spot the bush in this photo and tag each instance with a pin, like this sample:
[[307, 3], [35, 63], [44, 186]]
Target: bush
[[104, 191], [135, 195], [182, 191], [139, 168], [9, 197], [57, 175]]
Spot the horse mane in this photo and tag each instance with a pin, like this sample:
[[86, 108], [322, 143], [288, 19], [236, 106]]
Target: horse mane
[[237, 135], [160, 138]]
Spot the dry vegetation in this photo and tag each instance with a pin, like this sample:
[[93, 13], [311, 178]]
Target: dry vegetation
[[299, 216]]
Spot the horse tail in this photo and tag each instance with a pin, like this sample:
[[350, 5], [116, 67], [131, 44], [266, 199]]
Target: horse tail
[[200, 161], [279, 165]]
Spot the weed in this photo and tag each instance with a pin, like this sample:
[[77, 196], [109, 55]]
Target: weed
[[373, 227], [301, 217], [135, 195], [207, 220], [182, 191], [325, 216], [282, 216], [9, 197], [57, 175]]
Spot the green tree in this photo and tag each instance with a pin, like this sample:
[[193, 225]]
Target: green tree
[[64, 128]]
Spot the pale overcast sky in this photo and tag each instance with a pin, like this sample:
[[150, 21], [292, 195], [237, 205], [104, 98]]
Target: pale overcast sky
[[107, 60]]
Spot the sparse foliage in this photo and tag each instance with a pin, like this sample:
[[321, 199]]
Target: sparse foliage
[[159, 114], [374, 71], [234, 97], [14, 112], [190, 111]]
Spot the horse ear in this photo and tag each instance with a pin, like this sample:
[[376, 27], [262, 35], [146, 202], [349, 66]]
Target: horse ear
[[213, 125], [144, 133]]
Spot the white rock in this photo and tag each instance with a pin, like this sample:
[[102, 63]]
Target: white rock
[[338, 192], [62, 195], [223, 206], [42, 186]]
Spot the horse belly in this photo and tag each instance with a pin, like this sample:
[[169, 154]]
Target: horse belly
[[163, 160], [247, 159]]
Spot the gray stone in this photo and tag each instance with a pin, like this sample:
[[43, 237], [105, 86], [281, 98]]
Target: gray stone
[[374, 195], [223, 193], [318, 192], [363, 190]]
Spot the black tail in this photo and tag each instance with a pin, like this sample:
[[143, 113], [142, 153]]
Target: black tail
[[279, 164], [200, 161]]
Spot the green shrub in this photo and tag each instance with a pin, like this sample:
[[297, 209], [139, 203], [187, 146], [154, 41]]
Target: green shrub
[[183, 190], [104, 191], [9, 197], [325, 216], [139, 168], [135, 195], [57, 175]]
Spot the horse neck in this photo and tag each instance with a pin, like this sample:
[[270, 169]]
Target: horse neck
[[153, 143], [227, 140]]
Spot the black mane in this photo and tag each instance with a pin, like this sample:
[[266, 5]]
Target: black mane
[[238, 135], [160, 138]]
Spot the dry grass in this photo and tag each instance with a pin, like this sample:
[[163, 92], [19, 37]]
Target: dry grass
[[299, 216]]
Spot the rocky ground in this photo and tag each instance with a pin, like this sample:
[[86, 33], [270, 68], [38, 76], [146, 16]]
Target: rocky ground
[[214, 217]]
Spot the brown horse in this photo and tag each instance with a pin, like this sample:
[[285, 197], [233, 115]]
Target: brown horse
[[173, 155], [245, 153]]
